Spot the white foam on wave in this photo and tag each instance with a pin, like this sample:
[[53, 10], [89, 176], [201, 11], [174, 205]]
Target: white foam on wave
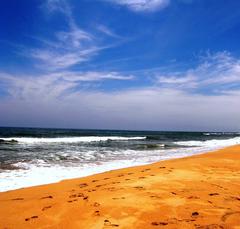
[[72, 139], [219, 133], [38, 175], [38, 172], [214, 143]]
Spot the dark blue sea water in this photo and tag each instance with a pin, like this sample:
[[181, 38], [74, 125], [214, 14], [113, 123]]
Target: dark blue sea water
[[32, 156]]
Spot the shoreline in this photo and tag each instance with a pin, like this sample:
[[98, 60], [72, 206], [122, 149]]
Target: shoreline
[[198, 191], [19, 180]]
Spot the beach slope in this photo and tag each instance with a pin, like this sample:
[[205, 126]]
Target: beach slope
[[201, 191]]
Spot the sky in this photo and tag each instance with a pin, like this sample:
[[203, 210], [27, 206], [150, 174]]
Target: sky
[[120, 64]]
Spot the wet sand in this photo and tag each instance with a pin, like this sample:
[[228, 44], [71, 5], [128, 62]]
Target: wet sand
[[201, 191]]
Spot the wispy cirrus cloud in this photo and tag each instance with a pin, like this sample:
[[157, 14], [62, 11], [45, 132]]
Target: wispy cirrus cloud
[[218, 71], [69, 47], [142, 5], [166, 104], [55, 57], [61, 6], [188, 81], [104, 29], [53, 85]]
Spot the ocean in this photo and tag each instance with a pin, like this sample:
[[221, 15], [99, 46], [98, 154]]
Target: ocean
[[34, 156]]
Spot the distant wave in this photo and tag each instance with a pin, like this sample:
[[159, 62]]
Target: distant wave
[[219, 133], [71, 139], [211, 143], [149, 146]]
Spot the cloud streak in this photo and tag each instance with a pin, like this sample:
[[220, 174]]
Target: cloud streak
[[54, 85], [159, 106], [142, 5], [148, 108], [215, 71], [70, 47]]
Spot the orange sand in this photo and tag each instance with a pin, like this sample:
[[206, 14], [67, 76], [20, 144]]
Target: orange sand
[[201, 191]]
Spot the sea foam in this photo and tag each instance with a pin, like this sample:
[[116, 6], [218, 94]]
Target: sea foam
[[71, 139]]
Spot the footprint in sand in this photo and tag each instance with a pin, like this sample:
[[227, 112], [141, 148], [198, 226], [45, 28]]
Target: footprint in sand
[[76, 195], [94, 181], [83, 185], [141, 177], [106, 178], [47, 197], [33, 217], [144, 170], [70, 201], [80, 195], [187, 220], [162, 167], [108, 223], [159, 223], [213, 194], [118, 198], [96, 213], [139, 187], [121, 175], [155, 196], [195, 214], [193, 197], [45, 208], [85, 198], [73, 196], [91, 190], [19, 198]]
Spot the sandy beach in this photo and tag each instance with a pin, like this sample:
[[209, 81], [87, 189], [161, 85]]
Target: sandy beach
[[201, 191]]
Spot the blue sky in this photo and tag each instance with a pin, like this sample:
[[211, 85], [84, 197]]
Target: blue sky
[[120, 64]]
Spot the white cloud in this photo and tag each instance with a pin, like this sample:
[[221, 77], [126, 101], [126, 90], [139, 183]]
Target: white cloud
[[94, 76], [53, 85], [60, 99], [70, 47], [215, 71], [59, 6], [220, 68], [61, 58], [104, 29], [142, 5], [146, 108], [188, 81]]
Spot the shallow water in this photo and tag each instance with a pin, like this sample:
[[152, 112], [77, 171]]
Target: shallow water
[[30, 156]]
